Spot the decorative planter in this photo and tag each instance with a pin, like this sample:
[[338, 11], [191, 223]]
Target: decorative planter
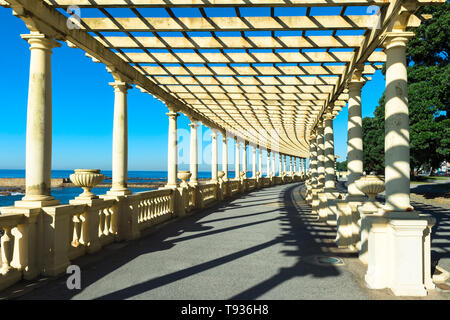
[[184, 176], [87, 179], [371, 185]]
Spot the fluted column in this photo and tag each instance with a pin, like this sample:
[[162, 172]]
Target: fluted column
[[330, 173], [120, 140], [254, 161], [39, 123], [193, 166], [237, 158], [172, 159], [396, 143], [224, 156], [354, 139]]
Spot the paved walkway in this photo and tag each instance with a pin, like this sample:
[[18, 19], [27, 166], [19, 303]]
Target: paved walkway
[[255, 247]]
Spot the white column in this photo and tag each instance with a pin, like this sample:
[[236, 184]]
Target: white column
[[313, 159], [290, 164], [172, 159], [120, 140], [304, 165], [354, 139], [237, 159], [260, 161], [244, 158], [281, 163], [320, 156], [268, 163], [273, 163], [193, 166], [39, 123], [284, 163], [214, 165], [330, 174], [254, 161], [396, 143], [225, 155]]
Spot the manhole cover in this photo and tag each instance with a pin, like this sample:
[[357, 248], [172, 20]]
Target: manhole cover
[[325, 261]]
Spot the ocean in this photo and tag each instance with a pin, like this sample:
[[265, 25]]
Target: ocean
[[66, 194]]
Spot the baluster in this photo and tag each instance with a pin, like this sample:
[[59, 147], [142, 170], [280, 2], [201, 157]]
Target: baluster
[[83, 229], [149, 209], [76, 227], [7, 249], [101, 223], [113, 220], [107, 221]]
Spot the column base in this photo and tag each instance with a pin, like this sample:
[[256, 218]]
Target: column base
[[398, 254], [123, 192], [36, 203]]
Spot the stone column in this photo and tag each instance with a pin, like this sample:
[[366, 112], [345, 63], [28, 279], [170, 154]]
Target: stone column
[[268, 163], [254, 161], [214, 164], [244, 159], [320, 157], [281, 164], [313, 160], [397, 166], [330, 173], [260, 161], [39, 124], [284, 163], [354, 139], [172, 159], [273, 164], [120, 140], [237, 158], [224, 156], [193, 166]]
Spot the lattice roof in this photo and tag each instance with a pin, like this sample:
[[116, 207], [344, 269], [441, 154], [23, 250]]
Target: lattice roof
[[257, 68]]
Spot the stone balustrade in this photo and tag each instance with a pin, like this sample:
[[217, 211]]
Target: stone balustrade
[[44, 241]]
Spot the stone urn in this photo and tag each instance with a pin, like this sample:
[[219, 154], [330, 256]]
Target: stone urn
[[221, 174], [184, 176], [258, 174], [371, 185], [243, 173], [86, 179]]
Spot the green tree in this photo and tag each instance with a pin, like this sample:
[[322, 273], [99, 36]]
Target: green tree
[[428, 95]]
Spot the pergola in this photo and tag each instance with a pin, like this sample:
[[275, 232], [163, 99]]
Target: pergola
[[263, 78], [270, 73]]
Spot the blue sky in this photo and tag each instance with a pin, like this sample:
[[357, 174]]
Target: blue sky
[[83, 110]]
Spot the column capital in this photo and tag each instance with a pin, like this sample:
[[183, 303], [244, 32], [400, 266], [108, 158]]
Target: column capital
[[213, 133], [172, 114], [194, 125], [396, 39], [40, 41], [120, 86]]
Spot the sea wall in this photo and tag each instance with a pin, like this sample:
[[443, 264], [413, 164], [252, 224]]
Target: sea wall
[[20, 182]]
